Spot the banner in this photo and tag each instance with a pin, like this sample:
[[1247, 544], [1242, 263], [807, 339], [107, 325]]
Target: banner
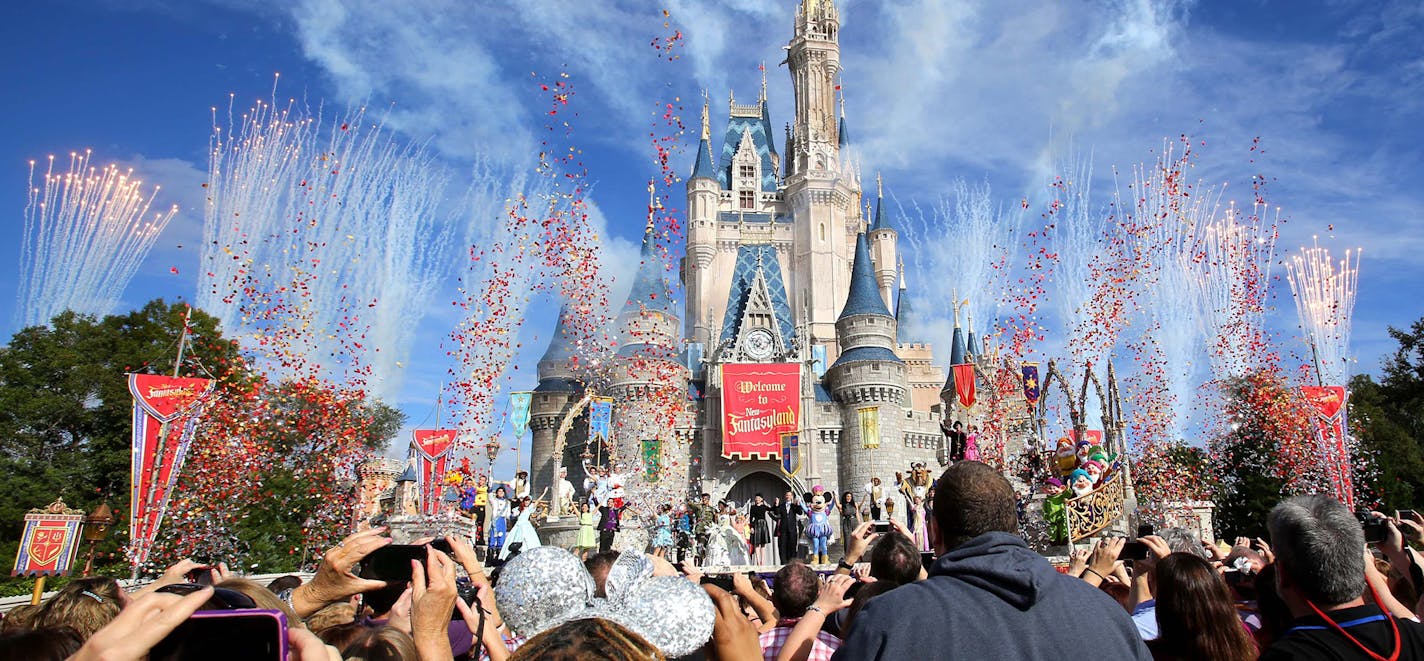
[[1094, 437], [165, 415], [759, 403], [869, 427], [600, 418], [50, 541], [1031, 389], [1328, 403], [790, 454], [519, 411], [964, 384], [652, 459], [432, 449]]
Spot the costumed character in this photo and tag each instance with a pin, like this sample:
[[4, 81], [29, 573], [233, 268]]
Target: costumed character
[[587, 536], [684, 535], [718, 553], [565, 494], [850, 514], [732, 542], [1082, 450], [1054, 513], [788, 526], [819, 531], [971, 444], [704, 521], [662, 531], [917, 485], [875, 496], [475, 499], [1080, 482], [522, 536], [611, 520], [917, 517], [956, 436], [499, 519], [759, 511], [1095, 472], [1066, 457]]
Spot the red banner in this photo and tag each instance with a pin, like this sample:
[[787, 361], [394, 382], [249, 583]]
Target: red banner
[[433, 448], [964, 384], [50, 541], [164, 418], [1329, 405], [1092, 436], [760, 402]]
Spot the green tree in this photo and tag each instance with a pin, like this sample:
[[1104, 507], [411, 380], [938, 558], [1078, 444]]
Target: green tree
[[1387, 419], [1265, 452]]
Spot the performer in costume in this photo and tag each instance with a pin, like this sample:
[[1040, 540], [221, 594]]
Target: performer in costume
[[587, 537], [875, 495], [565, 494], [850, 514], [734, 537], [759, 511], [684, 534], [523, 533], [788, 527], [1065, 457], [916, 514], [704, 521], [818, 532], [971, 444], [956, 436], [499, 520], [662, 531], [476, 499], [611, 521]]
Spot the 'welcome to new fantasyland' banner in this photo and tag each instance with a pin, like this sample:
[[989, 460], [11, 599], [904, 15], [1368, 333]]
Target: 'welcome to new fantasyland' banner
[[760, 402]]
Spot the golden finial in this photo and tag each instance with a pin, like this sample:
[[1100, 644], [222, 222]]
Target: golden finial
[[706, 122]]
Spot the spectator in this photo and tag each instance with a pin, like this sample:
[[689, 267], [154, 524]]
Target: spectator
[[793, 591], [1320, 564], [1196, 617], [593, 638], [49, 644], [895, 558], [288, 582], [85, 605], [1021, 606], [381, 644], [598, 566]]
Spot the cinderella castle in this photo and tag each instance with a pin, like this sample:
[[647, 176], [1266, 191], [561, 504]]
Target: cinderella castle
[[797, 340]]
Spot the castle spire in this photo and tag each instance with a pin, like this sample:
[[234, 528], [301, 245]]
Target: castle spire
[[763, 82], [706, 121], [864, 296], [703, 168]]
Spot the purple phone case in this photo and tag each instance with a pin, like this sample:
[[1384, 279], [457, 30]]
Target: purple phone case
[[277, 615]]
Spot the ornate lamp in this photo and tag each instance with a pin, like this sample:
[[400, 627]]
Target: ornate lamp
[[492, 449], [96, 529]]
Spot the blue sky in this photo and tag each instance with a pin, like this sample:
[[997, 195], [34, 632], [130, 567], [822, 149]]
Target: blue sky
[[991, 90]]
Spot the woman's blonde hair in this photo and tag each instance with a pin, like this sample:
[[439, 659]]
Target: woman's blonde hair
[[85, 605], [263, 598]]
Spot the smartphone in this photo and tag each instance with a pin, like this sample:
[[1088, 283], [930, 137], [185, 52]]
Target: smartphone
[[1404, 514], [392, 563], [927, 559], [1146, 530], [201, 576], [881, 527], [234, 635], [1133, 550]]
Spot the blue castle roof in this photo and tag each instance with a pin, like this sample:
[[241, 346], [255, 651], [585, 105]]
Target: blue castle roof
[[561, 346], [867, 353], [905, 316], [864, 296], [750, 260], [958, 355], [703, 167], [760, 128], [650, 289], [844, 134]]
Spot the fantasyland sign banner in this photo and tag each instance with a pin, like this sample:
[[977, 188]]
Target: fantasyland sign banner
[[760, 402], [433, 447], [1328, 403], [164, 418]]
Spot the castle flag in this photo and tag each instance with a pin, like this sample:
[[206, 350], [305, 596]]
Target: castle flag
[[1030, 384], [600, 418], [964, 384], [519, 411], [790, 453], [869, 427]]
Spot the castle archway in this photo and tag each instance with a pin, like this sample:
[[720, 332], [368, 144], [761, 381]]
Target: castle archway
[[770, 485]]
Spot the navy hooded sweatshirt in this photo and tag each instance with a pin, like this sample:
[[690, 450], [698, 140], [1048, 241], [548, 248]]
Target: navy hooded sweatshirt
[[993, 598]]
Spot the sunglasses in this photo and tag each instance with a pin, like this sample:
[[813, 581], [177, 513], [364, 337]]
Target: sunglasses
[[222, 599]]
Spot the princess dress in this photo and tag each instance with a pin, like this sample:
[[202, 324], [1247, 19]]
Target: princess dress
[[971, 447], [717, 551], [522, 533], [917, 527], [736, 544], [662, 532], [587, 538]]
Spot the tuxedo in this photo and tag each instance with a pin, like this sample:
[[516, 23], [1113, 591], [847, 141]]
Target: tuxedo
[[788, 528]]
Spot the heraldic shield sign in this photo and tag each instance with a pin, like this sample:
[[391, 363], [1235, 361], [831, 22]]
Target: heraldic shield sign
[[50, 541], [790, 454]]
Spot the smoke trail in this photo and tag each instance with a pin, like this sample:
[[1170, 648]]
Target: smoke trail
[[356, 214], [85, 235]]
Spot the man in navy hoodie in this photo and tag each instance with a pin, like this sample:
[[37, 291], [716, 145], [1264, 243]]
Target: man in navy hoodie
[[989, 596]]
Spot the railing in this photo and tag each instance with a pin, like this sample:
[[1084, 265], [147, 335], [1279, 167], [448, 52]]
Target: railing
[[1096, 510]]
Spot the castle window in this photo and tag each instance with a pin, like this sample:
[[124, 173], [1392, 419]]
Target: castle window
[[747, 172], [748, 199], [823, 231]]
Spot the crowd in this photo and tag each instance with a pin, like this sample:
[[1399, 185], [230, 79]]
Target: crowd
[[1317, 590]]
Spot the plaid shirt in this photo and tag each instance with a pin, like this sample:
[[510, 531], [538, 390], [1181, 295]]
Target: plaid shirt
[[773, 640]]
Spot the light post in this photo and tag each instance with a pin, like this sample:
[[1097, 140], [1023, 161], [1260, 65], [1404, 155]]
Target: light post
[[96, 528], [492, 449]]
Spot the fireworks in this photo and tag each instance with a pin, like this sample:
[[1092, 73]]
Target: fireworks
[[87, 230], [339, 222], [1324, 293], [1238, 253]]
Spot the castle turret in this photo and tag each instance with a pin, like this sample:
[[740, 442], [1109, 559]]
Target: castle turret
[[702, 191], [958, 355], [557, 390], [868, 379], [883, 240]]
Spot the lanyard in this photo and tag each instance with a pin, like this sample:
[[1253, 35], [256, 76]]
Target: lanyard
[[1394, 626]]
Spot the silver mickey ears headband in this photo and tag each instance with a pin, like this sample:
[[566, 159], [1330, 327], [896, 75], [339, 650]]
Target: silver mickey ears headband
[[545, 587]]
